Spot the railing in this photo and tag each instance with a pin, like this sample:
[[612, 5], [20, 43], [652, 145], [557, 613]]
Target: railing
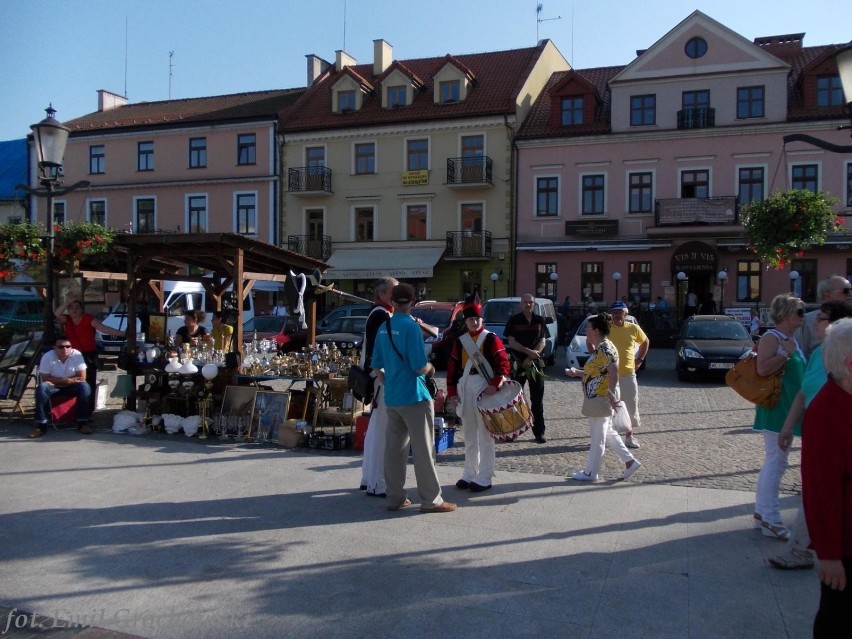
[[315, 246], [696, 210], [469, 170], [698, 118], [468, 244], [309, 179]]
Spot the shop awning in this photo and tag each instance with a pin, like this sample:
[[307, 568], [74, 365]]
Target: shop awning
[[372, 263]]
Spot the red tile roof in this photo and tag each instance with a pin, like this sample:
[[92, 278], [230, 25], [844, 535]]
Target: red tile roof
[[223, 108], [499, 76]]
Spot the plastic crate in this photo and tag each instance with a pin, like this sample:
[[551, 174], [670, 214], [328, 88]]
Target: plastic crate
[[445, 440]]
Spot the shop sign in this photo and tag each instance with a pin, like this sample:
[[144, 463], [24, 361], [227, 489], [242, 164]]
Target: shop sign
[[415, 178], [694, 257], [592, 228]]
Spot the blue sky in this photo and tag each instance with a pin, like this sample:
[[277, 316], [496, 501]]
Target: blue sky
[[63, 51]]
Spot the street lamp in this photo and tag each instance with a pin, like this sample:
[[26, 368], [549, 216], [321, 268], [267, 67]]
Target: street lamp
[[722, 275], [50, 137], [681, 276], [794, 278], [495, 277], [554, 276], [617, 277]]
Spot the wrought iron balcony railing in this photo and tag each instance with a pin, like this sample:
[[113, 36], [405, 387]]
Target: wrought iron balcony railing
[[468, 244], [698, 118], [315, 246], [309, 179], [469, 171], [696, 210]]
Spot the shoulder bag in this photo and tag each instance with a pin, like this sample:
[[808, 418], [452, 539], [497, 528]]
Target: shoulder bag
[[361, 384], [759, 390]]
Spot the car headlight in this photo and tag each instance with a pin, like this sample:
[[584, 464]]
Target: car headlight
[[746, 353], [690, 353]]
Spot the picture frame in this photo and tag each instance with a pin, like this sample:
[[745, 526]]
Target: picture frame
[[18, 386], [156, 333], [95, 292], [6, 384], [112, 286], [238, 408], [270, 412], [13, 354]]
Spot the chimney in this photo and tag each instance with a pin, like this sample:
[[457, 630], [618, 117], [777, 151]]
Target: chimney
[[316, 67], [344, 60], [382, 56], [108, 100]]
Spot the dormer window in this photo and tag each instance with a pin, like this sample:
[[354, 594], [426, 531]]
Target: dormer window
[[450, 91], [345, 101], [396, 96], [829, 91], [572, 111]]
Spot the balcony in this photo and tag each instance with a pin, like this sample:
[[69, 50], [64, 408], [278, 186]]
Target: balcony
[[469, 172], [468, 245], [309, 180], [700, 118], [688, 211], [315, 246]]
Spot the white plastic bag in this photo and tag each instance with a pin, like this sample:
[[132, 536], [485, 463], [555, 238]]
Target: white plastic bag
[[621, 419]]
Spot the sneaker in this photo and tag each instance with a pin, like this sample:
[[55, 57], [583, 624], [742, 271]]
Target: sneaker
[[631, 442], [463, 484], [582, 476], [775, 531], [628, 472], [445, 507], [478, 488]]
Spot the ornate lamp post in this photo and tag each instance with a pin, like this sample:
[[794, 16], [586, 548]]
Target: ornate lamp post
[[794, 282], [495, 277], [616, 278], [554, 276], [50, 137], [681, 277], [722, 276]]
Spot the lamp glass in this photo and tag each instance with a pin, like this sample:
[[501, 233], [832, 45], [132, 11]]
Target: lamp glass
[[554, 276], [681, 275], [616, 276], [844, 68], [794, 275], [50, 140], [723, 275], [494, 277]]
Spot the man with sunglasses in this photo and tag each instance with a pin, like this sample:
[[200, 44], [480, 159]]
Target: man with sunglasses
[[63, 372], [834, 287]]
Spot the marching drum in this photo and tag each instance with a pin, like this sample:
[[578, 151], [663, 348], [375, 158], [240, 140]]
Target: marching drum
[[506, 413]]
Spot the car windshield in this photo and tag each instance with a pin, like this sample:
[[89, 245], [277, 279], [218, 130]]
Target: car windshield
[[716, 331], [435, 316], [265, 324], [499, 312]]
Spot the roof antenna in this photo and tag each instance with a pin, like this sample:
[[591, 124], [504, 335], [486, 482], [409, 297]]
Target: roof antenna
[[539, 19], [125, 56], [171, 66], [344, 25]]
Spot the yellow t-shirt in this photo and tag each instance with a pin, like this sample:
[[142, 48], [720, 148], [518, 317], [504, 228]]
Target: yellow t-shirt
[[222, 337], [625, 339]]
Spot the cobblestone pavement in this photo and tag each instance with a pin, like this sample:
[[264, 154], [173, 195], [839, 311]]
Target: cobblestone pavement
[[693, 434]]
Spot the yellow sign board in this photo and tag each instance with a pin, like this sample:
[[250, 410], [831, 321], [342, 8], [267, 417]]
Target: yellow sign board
[[415, 178]]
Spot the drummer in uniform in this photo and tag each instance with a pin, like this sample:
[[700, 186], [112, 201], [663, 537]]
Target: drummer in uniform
[[473, 353]]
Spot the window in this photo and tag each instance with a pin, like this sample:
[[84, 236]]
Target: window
[[695, 183], [365, 158], [196, 209], [450, 91], [591, 281], [748, 281], [639, 281], [593, 195], [695, 99], [58, 213], [849, 184], [315, 227], [641, 192], [364, 224], [805, 177], [547, 196], [146, 215], [544, 286], [345, 101], [572, 111], [472, 216], [145, 156], [97, 212], [473, 151], [695, 47], [417, 155], [829, 91], [197, 153], [415, 221], [96, 158], [247, 213], [805, 286], [750, 102], [750, 179], [643, 110], [397, 96], [246, 148]]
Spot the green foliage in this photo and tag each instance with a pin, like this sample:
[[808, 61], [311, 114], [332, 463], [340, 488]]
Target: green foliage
[[787, 223], [83, 241], [19, 244]]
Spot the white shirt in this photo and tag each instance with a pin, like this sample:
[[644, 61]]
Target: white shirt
[[280, 310], [50, 364]]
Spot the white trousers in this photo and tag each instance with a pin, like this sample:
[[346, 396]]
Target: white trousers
[[629, 390], [373, 464], [767, 502], [479, 448], [602, 433]]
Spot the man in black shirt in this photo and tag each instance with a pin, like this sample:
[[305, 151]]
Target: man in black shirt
[[525, 336]]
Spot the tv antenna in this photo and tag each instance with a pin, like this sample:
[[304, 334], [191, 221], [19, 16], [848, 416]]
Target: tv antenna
[[171, 66], [539, 19]]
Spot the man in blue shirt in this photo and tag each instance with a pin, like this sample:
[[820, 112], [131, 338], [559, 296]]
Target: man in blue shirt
[[401, 361]]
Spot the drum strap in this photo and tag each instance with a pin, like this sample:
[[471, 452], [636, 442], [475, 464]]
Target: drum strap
[[475, 356]]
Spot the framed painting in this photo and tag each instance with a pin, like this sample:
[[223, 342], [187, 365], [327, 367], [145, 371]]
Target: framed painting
[[270, 411], [95, 292], [156, 333], [6, 380], [18, 386], [237, 410], [13, 354]]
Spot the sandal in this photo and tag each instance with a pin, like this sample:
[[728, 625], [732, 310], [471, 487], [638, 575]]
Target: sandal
[[757, 520], [775, 531], [793, 560]]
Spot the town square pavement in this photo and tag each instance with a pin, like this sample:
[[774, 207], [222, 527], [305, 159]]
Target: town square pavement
[[167, 536]]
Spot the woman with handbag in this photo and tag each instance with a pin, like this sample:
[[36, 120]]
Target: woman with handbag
[[600, 395], [777, 351]]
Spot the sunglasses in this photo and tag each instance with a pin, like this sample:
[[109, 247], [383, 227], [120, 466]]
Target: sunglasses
[[63, 346]]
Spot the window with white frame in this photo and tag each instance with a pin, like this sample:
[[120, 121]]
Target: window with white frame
[[593, 192], [639, 281], [472, 216], [97, 159], [397, 96], [450, 91], [145, 215], [643, 110], [544, 286], [364, 158], [96, 213], [365, 223], [572, 110], [748, 280], [641, 197], [246, 213], [417, 154], [751, 102], [345, 101], [196, 213], [829, 91], [695, 183], [547, 196], [751, 184], [805, 286], [591, 281], [805, 177], [416, 221], [58, 212]]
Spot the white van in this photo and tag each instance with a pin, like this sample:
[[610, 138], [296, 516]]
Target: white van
[[178, 297], [497, 311]]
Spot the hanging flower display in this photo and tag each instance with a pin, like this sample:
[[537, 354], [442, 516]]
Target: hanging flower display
[[83, 241], [21, 244], [787, 223]]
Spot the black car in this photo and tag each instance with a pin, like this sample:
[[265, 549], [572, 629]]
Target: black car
[[346, 332], [710, 345]]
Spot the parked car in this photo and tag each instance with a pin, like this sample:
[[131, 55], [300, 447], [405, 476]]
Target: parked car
[[21, 310], [347, 310], [497, 311], [576, 352], [446, 316], [284, 331], [710, 345], [346, 332]]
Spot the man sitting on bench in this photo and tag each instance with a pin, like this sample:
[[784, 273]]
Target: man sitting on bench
[[62, 371]]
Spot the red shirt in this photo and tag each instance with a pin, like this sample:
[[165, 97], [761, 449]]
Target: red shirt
[[827, 472], [494, 352], [82, 335]]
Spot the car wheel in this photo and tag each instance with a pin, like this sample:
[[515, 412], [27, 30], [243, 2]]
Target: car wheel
[[682, 375]]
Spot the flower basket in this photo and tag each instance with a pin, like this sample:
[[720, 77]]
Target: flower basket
[[21, 245], [787, 223], [78, 242]]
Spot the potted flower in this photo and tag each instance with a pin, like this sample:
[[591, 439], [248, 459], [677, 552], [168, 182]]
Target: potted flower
[[787, 223], [21, 245], [83, 241]]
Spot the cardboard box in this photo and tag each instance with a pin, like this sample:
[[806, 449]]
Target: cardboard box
[[289, 436]]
